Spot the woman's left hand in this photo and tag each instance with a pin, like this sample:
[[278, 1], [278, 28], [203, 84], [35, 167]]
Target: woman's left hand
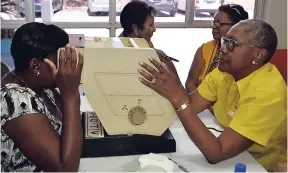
[[163, 82]]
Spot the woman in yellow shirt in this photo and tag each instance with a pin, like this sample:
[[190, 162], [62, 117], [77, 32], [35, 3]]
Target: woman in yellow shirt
[[207, 55], [247, 92], [137, 20]]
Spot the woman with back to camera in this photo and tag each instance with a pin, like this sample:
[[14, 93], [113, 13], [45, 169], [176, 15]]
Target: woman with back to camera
[[137, 20], [41, 128], [207, 55]]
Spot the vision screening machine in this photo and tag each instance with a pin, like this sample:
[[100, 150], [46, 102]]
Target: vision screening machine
[[129, 117]]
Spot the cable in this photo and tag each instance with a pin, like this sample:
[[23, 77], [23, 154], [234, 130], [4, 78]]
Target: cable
[[211, 128]]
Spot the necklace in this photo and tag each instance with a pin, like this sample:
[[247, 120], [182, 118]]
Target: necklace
[[215, 59], [19, 79], [36, 93]]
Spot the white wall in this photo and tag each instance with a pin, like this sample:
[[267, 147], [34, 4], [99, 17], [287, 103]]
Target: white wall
[[275, 13]]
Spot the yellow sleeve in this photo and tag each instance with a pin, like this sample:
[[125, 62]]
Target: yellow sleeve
[[208, 87], [259, 117]]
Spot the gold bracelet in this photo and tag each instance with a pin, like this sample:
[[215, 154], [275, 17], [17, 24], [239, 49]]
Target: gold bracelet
[[183, 106]]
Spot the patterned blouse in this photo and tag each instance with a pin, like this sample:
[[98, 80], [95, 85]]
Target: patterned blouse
[[19, 101]]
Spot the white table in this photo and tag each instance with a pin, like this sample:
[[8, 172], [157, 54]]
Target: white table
[[187, 154]]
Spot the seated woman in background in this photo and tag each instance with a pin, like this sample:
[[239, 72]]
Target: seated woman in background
[[207, 55], [137, 20], [247, 92], [41, 129]]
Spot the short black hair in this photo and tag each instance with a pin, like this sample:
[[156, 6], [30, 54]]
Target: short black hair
[[36, 40], [262, 34], [135, 12], [235, 12]]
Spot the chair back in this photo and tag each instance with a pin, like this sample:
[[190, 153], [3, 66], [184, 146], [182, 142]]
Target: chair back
[[280, 61]]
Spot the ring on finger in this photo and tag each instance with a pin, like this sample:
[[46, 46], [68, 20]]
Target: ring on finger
[[153, 80]]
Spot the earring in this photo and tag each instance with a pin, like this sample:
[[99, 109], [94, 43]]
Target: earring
[[254, 62], [38, 73]]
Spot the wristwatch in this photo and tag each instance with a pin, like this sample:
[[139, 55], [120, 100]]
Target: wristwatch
[[183, 106]]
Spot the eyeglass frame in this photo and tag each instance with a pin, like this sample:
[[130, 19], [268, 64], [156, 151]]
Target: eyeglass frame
[[225, 40], [220, 24]]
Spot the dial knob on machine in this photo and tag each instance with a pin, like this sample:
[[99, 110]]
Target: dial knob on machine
[[137, 115]]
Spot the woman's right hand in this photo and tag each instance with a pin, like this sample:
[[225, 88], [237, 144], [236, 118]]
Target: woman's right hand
[[68, 76]]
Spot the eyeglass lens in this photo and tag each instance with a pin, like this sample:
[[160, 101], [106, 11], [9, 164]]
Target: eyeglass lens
[[230, 44]]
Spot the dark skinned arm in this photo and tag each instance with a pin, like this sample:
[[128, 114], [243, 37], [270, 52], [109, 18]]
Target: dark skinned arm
[[42, 145], [192, 81], [215, 149]]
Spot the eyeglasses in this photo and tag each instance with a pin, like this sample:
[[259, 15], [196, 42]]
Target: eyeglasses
[[231, 44], [218, 24]]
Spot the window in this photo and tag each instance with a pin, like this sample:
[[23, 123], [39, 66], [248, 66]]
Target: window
[[98, 10], [105, 13], [206, 9], [11, 10], [72, 10], [167, 10]]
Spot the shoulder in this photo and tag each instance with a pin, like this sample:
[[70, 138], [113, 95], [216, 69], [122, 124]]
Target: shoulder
[[217, 78], [199, 50], [206, 46], [211, 84], [267, 91], [13, 89], [209, 48], [209, 44], [269, 83], [17, 101], [217, 75]]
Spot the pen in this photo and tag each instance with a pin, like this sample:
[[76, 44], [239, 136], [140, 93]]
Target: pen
[[166, 57], [170, 58], [179, 166]]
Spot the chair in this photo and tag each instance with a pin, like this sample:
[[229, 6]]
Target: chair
[[280, 61], [4, 69]]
